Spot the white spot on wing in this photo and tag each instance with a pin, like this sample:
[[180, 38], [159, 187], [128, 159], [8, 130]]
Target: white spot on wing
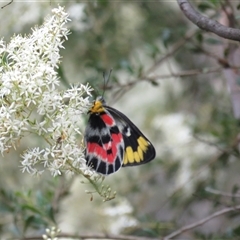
[[128, 132]]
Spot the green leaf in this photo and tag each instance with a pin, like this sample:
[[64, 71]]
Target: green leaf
[[5, 208], [28, 222], [213, 41], [31, 208], [236, 231], [50, 213], [62, 76], [215, 2], [194, 49], [40, 198], [166, 34], [140, 71], [223, 159], [153, 50], [126, 65], [203, 6], [154, 83], [34, 222], [199, 37], [103, 3]]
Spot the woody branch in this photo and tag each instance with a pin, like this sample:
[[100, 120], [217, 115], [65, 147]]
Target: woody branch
[[201, 222], [125, 237], [226, 31], [208, 24]]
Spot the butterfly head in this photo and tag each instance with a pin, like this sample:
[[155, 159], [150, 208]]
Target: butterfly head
[[98, 106]]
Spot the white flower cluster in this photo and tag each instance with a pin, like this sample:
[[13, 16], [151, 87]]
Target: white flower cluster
[[51, 233], [30, 102]]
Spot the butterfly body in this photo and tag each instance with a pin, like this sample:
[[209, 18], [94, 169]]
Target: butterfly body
[[113, 141]]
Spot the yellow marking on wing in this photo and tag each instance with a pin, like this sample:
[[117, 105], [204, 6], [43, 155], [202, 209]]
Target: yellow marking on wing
[[140, 153], [136, 157], [143, 144], [129, 153], [97, 107]]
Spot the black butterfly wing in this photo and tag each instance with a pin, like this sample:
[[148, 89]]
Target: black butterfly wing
[[137, 148], [104, 144]]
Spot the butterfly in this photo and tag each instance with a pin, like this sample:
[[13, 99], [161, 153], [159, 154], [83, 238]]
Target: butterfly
[[112, 141]]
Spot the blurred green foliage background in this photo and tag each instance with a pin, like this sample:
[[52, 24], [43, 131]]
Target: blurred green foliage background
[[168, 79]]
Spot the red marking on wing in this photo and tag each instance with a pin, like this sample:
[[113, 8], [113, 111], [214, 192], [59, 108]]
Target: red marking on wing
[[97, 149], [117, 138], [107, 119], [101, 151]]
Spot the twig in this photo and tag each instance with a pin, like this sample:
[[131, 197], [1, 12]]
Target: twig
[[104, 191], [94, 236], [61, 191], [187, 73], [224, 194], [125, 237], [201, 222], [171, 52], [7, 4], [204, 167], [209, 143], [222, 61], [229, 14], [182, 74], [123, 88], [208, 24]]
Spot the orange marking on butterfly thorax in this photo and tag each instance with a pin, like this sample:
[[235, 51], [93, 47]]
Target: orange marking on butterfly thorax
[[97, 107], [108, 119]]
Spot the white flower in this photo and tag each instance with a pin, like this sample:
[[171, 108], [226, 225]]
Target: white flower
[[39, 127], [51, 234], [30, 101]]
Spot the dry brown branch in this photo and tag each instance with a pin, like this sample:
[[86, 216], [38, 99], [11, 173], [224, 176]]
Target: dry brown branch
[[187, 73], [221, 193], [208, 24], [201, 222], [172, 51], [7, 4], [124, 237], [210, 163], [229, 12], [214, 215], [93, 236], [209, 143]]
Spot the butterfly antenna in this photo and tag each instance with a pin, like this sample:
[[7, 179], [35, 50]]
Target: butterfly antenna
[[106, 80]]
